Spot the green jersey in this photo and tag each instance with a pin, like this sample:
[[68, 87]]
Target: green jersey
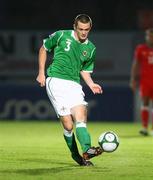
[[70, 56]]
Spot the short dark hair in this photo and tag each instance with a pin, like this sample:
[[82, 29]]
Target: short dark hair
[[84, 18]]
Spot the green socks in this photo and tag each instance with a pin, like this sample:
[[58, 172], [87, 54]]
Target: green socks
[[83, 136], [70, 141]]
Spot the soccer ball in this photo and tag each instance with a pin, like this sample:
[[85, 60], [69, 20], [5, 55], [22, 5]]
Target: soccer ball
[[108, 141]]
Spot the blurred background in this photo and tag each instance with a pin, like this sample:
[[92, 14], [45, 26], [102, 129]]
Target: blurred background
[[118, 26]]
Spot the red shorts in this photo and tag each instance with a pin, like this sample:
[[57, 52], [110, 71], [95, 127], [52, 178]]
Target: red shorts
[[146, 89]]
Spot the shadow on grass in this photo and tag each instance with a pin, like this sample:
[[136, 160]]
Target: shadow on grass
[[54, 170], [37, 171], [59, 167], [44, 161]]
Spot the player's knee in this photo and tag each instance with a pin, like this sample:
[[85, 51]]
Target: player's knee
[[69, 128], [79, 113], [67, 122]]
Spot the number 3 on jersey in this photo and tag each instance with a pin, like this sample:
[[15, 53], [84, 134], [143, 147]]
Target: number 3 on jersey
[[68, 43]]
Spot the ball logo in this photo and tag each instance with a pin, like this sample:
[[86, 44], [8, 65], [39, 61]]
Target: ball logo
[[110, 137]]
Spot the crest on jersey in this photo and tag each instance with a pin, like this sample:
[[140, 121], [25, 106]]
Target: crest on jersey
[[84, 53]]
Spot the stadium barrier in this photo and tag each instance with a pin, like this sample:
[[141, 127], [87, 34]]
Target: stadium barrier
[[30, 102]]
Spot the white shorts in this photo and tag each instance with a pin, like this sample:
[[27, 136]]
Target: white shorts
[[64, 94]]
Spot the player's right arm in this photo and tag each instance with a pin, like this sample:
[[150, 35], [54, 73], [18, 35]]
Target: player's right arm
[[48, 44], [41, 62]]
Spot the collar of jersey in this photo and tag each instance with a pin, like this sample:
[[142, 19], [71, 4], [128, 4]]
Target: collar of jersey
[[72, 34]]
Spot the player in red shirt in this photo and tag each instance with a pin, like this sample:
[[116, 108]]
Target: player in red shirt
[[142, 75]]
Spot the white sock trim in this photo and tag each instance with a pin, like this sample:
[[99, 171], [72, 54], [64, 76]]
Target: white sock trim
[[81, 124], [68, 133]]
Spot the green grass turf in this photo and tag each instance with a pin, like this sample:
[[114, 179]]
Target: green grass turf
[[37, 151]]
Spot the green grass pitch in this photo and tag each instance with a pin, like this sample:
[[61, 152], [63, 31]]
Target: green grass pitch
[[37, 151]]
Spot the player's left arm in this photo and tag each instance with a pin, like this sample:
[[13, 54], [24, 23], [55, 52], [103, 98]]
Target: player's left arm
[[96, 88], [86, 73]]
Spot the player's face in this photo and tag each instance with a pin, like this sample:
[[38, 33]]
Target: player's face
[[82, 30], [149, 38]]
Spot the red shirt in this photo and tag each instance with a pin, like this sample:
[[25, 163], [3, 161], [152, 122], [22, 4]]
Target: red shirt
[[144, 55]]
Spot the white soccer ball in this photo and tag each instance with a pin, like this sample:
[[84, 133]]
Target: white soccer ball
[[108, 141]]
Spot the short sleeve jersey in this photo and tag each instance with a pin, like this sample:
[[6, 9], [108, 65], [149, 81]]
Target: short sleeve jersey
[[144, 55], [70, 56]]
